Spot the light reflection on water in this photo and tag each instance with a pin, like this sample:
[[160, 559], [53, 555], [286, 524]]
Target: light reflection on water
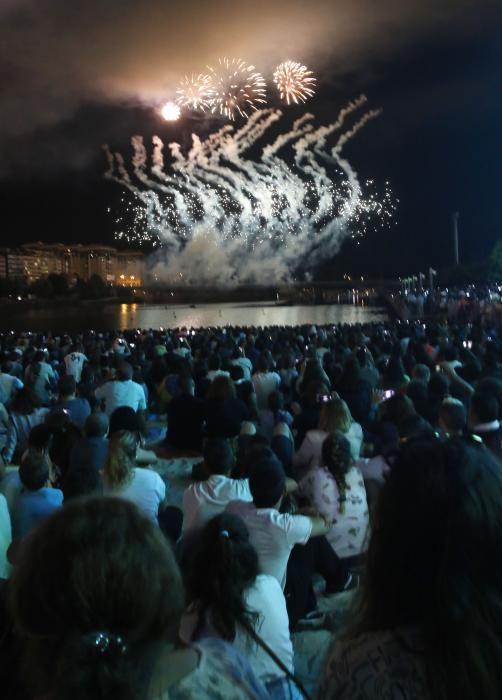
[[125, 316]]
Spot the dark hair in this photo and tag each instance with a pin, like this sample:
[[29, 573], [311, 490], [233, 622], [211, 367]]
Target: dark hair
[[441, 509], [24, 402], [124, 418], [81, 482], [96, 565], [124, 371], [67, 385], [34, 470], [96, 425], [484, 407], [223, 567], [337, 456], [221, 388], [218, 455], [267, 480]]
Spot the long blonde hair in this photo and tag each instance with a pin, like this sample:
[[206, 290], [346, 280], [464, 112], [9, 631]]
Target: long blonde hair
[[119, 465], [335, 417]]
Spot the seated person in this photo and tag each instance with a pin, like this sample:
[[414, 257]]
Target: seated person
[[122, 391], [337, 490], [431, 634], [231, 599], [274, 534], [77, 409], [335, 416], [125, 418], [36, 500], [117, 596], [185, 418], [91, 450], [205, 499], [224, 412], [123, 479]]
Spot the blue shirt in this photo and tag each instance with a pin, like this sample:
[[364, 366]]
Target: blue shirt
[[32, 507]]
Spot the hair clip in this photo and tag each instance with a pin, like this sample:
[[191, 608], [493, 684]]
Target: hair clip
[[106, 643]]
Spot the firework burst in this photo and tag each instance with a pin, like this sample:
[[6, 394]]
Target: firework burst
[[294, 82], [195, 92], [237, 88]]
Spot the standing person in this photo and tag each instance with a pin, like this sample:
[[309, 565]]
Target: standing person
[[427, 622], [74, 362], [89, 602], [123, 479], [231, 599], [122, 391]]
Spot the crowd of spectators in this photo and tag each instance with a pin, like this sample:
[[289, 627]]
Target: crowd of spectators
[[362, 460]]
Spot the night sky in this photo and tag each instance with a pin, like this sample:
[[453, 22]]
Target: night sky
[[74, 77]]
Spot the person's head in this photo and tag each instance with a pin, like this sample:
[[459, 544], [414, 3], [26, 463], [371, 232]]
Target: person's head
[[223, 567], [484, 409], [124, 418], [337, 456], [267, 481], [335, 416], [218, 455], [96, 425], [24, 402], [236, 373], [124, 371], [186, 386], [263, 362], [119, 465], [421, 373], [81, 482], [221, 389], [96, 596], [441, 509], [40, 438], [67, 386], [34, 470], [452, 416]]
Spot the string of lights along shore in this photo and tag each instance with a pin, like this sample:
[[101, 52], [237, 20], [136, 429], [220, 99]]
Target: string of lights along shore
[[220, 216]]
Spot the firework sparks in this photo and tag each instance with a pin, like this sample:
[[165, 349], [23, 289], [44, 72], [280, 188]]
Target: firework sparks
[[170, 111], [238, 88], [195, 92], [294, 82], [255, 219]]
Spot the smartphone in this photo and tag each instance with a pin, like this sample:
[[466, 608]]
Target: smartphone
[[388, 394], [325, 398], [132, 345]]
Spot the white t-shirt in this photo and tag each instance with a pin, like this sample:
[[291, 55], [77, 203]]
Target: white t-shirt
[[121, 393], [74, 364], [266, 598], [273, 535], [264, 384], [205, 499], [309, 454], [146, 490], [5, 537]]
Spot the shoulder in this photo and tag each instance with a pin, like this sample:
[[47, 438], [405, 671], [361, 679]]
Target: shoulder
[[222, 674], [375, 665]]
